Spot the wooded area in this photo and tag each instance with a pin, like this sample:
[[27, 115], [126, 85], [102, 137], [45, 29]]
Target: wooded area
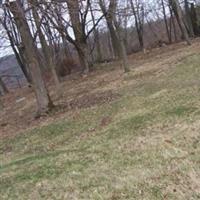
[[43, 34]]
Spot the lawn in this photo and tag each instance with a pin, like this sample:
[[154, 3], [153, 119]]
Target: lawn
[[144, 144]]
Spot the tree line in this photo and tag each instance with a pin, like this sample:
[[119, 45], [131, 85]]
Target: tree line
[[41, 33]]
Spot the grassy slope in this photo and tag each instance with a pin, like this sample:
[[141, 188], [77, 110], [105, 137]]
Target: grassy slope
[[144, 145]]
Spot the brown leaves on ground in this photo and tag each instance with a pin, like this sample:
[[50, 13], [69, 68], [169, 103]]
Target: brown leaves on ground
[[99, 87], [105, 121]]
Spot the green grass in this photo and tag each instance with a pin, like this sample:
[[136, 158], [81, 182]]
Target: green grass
[[149, 150]]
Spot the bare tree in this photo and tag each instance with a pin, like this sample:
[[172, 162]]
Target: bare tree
[[166, 21], [43, 100], [115, 30], [96, 36], [14, 42], [109, 15], [47, 55], [179, 17], [188, 19], [138, 12]]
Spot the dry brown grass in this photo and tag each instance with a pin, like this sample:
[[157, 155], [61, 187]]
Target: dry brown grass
[[133, 136]]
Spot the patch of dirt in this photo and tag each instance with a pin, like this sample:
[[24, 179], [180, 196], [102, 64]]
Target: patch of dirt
[[20, 119], [105, 121], [6, 149], [86, 101]]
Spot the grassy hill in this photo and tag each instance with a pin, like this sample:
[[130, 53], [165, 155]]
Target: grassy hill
[[133, 136]]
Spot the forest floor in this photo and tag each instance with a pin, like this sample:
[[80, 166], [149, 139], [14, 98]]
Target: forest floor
[[114, 136]]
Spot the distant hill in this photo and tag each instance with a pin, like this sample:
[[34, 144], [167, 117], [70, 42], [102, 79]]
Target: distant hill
[[10, 72]]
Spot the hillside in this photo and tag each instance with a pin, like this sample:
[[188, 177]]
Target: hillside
[[11, 72], [113, 136]]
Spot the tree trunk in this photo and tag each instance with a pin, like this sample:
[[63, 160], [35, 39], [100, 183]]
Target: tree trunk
[[188, 18], [83, 53], [45, 48], [78, 27], [115, 32], [43, 100], [23, 65], [179, 17], [18, 55], [3, 88], [173, 23], [124, 57], [122, 48], [109, 15], [110, 47], [114, 39], [166, 24], [194, 20], [97, 39], [138, 26]]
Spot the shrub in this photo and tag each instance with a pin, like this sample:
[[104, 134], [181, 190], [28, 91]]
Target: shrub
[[64, 66]]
